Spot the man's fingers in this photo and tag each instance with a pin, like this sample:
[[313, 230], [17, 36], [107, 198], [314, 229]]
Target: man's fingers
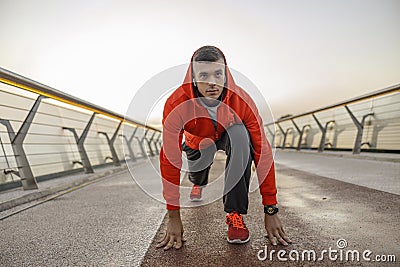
[[280, 239], [162, 239], [163, 242], [178, 243], [170, 244], [283, 230], [271, 238], [284, 236]]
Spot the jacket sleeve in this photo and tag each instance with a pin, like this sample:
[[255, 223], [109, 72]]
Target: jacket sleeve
[[263, 158], [171, 156]]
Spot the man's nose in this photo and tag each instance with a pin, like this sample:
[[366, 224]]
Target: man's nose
[[211, 82]]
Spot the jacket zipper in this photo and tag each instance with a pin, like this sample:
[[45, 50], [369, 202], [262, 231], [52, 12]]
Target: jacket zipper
[[216, 124], [216, 135]]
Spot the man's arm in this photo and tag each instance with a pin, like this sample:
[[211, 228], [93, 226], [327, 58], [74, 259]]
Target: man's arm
[[171, 155], [174, 231], [170, 166], [265, 166], [263, 157]]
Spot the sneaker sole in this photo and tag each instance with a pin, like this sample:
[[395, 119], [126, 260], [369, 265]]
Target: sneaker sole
[[238, 241], [196, 199]]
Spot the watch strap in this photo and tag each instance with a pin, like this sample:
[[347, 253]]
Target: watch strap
[[271, 209]]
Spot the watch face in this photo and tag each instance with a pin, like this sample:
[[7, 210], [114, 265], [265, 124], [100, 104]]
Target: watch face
[[270, 210]]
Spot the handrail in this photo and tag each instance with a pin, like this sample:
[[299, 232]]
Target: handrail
[[22, 82], [52, 136], [380, 92], [343, 122]]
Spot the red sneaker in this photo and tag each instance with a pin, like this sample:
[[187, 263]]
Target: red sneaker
[[237, 230], [195, 195]]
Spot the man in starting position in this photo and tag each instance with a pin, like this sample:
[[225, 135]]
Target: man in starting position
[[214, 113]]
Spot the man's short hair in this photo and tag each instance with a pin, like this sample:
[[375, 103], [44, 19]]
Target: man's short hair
[[208, 53]]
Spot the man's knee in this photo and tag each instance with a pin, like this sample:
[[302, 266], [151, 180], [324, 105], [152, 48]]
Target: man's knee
[[238, 135]]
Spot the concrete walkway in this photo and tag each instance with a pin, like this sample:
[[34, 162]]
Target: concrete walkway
[[18, 197], [376, 171], [107, 223], [112, 222], [316, 212]]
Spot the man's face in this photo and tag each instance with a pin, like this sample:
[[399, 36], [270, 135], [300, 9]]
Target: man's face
[[209, 77]]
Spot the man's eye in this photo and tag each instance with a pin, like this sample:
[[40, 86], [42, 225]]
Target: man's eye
[[203, 76], [218, 74]]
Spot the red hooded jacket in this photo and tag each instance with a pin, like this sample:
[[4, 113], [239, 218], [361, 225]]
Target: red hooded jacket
[[184, 115]]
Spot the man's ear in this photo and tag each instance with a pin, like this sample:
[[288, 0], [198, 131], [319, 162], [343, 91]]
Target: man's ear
[[225, 75], [194, 82]]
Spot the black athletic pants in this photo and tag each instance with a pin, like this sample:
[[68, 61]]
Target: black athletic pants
[[237, 146]]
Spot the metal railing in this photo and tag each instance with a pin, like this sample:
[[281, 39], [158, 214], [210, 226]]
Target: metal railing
[[366, 123], [45, 132]]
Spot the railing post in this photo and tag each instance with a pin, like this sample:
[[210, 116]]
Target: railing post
[[360, 129], [300, 134], [85, 162], [24, 169], [156, 142], [159, 143], [323, 130], [111, 144], [284, 136], [273, 136], [149, 144], [129, 144], [8, 170], [140, 141]]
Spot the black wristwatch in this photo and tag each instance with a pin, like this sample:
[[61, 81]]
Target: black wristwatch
[[270, 209]]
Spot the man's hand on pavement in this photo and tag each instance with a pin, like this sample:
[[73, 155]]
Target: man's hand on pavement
[[174, 232], [275, 230]]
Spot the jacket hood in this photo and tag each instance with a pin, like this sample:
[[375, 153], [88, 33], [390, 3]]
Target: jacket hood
[[188, 87]]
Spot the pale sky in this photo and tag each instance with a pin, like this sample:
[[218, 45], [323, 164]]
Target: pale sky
[[301, 55]]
